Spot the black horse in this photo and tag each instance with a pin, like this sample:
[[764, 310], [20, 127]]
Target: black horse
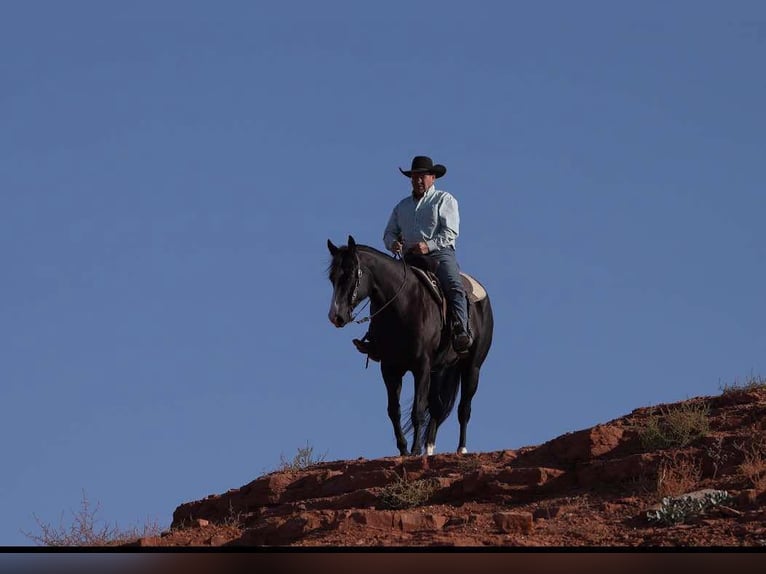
[[410, 334]]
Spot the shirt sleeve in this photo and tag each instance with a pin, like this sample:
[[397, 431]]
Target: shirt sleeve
[[392, 231], [449, 225]]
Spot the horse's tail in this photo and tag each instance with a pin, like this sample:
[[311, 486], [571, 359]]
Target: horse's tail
[[445, 383], [444, 387]]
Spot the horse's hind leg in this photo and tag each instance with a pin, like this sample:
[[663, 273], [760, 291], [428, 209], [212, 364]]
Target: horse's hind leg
[[444, 385], [422, 378], [393, 379], [468, 386], [433, 418]]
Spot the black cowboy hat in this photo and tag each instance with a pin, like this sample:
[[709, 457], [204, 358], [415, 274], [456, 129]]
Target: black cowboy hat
[[424, 164]]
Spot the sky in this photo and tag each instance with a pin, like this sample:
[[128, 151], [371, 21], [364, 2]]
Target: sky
[[170, 173]]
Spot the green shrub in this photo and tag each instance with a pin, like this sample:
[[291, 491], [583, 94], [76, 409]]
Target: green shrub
[[676, 426], [682, 508]]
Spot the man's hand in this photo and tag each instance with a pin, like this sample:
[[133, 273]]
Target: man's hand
[[420, 248]]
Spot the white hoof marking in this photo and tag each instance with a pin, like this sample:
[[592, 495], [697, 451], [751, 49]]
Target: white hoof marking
[[430, 449], [463, 450]]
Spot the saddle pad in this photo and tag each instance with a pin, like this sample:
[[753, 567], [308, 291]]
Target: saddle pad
[[473, 288]]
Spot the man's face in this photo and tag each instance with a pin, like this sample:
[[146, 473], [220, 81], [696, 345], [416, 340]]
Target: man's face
[[421, 182]]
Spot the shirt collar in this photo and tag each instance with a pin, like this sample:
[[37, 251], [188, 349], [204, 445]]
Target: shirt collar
[[429, 190]]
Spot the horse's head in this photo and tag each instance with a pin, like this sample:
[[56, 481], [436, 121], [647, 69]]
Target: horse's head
[[345, 275]]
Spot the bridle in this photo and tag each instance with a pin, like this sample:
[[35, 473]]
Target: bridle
[[355, 292]]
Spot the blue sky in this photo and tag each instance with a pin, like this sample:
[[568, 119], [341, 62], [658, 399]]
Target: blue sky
[[170, 173]]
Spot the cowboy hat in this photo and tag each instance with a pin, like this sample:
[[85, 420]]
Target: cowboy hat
[[424, 164]]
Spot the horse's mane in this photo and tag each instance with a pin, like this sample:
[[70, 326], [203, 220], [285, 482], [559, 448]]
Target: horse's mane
[[364, 249], [368, 249]]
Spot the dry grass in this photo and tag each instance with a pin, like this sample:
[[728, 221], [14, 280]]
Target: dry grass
[[235, 518], [753, 467], [751, 383], [678, 475]]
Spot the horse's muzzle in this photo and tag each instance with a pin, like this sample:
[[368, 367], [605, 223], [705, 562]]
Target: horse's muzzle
[[337, 320]]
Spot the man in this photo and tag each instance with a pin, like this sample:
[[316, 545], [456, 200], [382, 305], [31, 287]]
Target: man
[[423, 227]]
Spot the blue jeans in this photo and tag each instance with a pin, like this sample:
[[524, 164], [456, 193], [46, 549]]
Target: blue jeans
[[444, 265]]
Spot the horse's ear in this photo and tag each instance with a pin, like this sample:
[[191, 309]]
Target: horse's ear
[[351, 242], [332, 248]]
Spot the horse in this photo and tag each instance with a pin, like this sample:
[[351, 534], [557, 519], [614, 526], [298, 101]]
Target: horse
[[411, 333]]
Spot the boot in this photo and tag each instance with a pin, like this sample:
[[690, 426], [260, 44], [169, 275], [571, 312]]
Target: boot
[[366, 348], [461, 340]]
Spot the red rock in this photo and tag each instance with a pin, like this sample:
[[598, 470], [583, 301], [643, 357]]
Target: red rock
[[413, 521], [536, 476], [218, 540], [546, 513], [382, 519], [514, 522], [311, 485], [352, 481]]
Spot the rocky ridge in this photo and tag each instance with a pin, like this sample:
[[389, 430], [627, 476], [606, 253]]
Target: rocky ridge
[[591, 488]]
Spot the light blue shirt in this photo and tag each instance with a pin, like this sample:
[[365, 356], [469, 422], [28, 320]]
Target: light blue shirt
[[434, 219]]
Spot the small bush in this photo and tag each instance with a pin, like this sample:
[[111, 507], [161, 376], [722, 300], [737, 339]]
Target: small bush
[[407, 494], [87, 530], [302, 460], [676, 426], [717, 455]]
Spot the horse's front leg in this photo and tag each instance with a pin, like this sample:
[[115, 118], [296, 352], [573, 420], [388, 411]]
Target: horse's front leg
[[393, 379], [422, 378]]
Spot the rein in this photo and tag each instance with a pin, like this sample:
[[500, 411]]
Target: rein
[[386, 304]]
